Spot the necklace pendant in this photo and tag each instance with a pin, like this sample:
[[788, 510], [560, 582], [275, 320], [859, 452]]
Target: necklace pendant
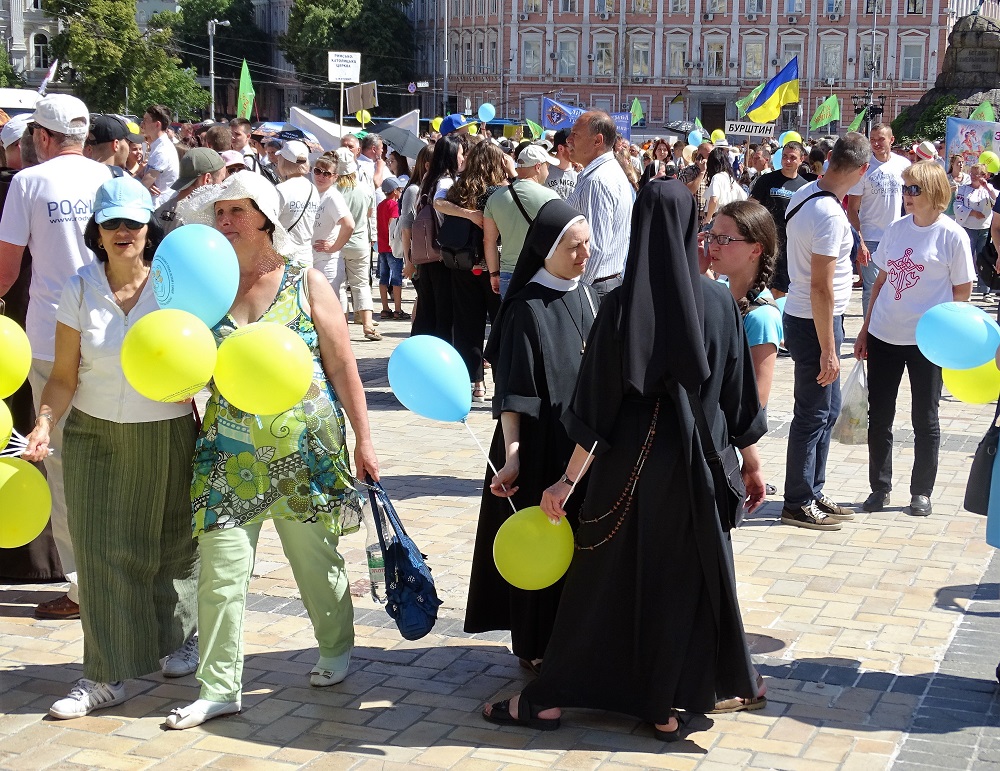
[[583, 347]]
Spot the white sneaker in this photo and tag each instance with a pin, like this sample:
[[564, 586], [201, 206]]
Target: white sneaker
[[199, 711], [87, 696], [182, 661]]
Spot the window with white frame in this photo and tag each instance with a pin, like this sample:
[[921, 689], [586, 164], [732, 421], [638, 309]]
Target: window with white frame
[[532, 6], [531, 55], [789, 50], [915, 6], [480, 57], [642, 6], [794, 6], [640, 57], [679, 7], [494, 7], [755, 7], [36, 5], [715, 6], [789, 118], [677, 53], [456, 57], [604, 6], [567, 50], [912, 64], [867, 63], [567, 6], [874, 6], [753, 58], [833, 6], [831, 59], [493, 56], [604, 58], [467, 8], [715, 59], [480, 8], [468, 59], [41, 58]]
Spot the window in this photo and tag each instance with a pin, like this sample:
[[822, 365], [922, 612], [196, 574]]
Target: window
[[604, 6], [753, 60], [36, 5], [642, 6], [640, 58], [716, 6], [468, 59], [831, 59], [715, 60], [789, 51], [567, 57], [913, 61], [479, 8], [755, 6], [834, 6], [532, 6], [866, 60], [789, 118], [567, 6], [480, 58], [678, 54], [494, 7], [915, 6], [604, 58], [679, 7], [493, 56], [531, 57], [41, 52], [456, 57], [467, 8], [874, 6], [794, 6]]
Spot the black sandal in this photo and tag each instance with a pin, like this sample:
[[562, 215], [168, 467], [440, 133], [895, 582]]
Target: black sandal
[[500, 714], [669, 736]]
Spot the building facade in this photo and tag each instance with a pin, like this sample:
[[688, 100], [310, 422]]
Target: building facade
[[26, 34], [679, 58]]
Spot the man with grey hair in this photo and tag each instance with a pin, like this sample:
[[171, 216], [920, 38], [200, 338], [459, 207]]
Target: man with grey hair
[[47, 209], [819, 244], [604, 196]]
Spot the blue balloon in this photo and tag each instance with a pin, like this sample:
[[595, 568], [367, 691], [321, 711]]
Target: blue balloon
[[993, 512], [195, 270], [957, 335], [429, 377], [694, 138], [487, 112]]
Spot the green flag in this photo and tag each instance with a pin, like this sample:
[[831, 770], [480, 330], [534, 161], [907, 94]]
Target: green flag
[[244, 102], [856, 123], [826, 113], [536, 130], [983, 112], [700, 129], [747, 100], [637, 113]]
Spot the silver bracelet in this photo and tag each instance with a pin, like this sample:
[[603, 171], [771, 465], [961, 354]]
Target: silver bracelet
[[47, 416]]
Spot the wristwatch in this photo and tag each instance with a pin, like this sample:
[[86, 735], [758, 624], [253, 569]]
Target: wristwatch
[[566, 480], [494, 273]]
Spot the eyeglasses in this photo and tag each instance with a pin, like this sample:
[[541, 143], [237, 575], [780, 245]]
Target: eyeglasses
[[321, 173], [721, 240], [913, 190], [117, 222]]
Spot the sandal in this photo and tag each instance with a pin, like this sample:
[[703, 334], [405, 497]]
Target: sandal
[[371, 334], [500, 714], [479, 393], [669, 736], [738, 704]]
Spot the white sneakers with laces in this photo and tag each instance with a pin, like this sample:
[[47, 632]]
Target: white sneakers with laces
[[183, 661], [87, 696]]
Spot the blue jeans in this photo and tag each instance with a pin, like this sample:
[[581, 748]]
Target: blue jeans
[[816, 410], [505, 278], [390, 269], [868, 273]]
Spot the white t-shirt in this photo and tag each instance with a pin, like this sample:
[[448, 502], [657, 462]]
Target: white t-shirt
[[441, 191], [48, 207], [819, 227], [724, 189], [88, 306], [331, 210], [881, 191], [923, 264], [969, 199], [163, 158], [299, 200]]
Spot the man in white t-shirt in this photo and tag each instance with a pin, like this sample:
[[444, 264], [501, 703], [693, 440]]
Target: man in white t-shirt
[[48, 207], [162, 164], [819, 244], [876, 202]]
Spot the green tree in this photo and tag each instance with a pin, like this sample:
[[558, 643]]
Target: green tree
[[115, 66], [377, 28], [9, 78], [243, 39]]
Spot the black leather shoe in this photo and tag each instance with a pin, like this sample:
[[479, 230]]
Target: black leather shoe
[[876, 502], [920, 506]]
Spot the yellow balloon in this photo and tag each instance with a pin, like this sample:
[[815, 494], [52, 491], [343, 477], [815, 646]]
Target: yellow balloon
[[264, 368], [473, 128], [978, 385], [168, 355], [991, 160], [718, 135], [15, 356], [363, 116], [792, 136], [25, 503], [436, 123], [6, 425], [530, 552]]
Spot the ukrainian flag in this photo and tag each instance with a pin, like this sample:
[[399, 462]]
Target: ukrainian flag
[[780, 90]]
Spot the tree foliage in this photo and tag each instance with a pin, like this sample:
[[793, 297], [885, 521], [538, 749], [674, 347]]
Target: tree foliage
[[114, 65], [931, 124], [379, 29], [243, 39], [8, 77]]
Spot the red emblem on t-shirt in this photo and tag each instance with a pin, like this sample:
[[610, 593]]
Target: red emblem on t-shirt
[[903, 273]]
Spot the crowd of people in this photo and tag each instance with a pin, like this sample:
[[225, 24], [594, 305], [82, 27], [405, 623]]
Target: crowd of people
[[636, 303]]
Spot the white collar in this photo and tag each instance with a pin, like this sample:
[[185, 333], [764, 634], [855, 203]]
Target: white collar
[[546, 279]]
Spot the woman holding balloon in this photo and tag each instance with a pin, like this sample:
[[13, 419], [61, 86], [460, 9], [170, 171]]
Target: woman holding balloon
[[924, 259], [127, 461], [291, 467]]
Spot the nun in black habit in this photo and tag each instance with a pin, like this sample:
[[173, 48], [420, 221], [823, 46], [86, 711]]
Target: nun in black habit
[[649, 620], [535, 346]]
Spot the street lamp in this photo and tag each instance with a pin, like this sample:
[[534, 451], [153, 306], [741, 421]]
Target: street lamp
[[865, 102], [212, 23]]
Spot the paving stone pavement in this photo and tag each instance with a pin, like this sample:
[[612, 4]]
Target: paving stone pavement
[[878, 642]]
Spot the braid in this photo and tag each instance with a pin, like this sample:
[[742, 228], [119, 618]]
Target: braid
[[765, 272], [757, 226]]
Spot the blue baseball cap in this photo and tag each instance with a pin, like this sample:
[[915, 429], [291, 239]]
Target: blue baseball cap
[[122, 197], [453, 122]]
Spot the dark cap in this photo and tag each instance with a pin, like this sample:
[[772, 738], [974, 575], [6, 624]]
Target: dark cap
[[197, 161], [106, 128]]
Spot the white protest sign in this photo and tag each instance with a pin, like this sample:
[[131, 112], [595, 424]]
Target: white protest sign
[[749, 128], [345, 67]]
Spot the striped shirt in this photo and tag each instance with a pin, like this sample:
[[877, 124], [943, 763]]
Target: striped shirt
[[604, 196]]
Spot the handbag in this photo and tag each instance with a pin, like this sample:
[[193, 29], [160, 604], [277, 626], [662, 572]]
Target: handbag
[[461, 243], [977, 491], [727, 478], [424, 246], [410, 597]]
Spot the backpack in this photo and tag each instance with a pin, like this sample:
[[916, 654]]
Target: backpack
[[854, 233], [461, 243], [267, 172], [424, 245]]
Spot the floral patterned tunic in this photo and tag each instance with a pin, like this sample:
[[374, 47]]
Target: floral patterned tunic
[[294, 465]]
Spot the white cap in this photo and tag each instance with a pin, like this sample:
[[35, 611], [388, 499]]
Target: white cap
[[13, 129], [56, 112], [345, 161], [533, 155], [294, 152]]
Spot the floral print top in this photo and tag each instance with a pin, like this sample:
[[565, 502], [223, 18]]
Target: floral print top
[[294, 465]]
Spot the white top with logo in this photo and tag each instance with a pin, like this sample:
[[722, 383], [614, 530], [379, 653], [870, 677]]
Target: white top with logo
[[163, 158], [331, 210], [299, 201], [881, 191], [923, 264], [969, 199], [48, 207]]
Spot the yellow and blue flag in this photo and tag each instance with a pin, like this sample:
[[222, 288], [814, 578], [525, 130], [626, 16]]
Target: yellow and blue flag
[[780, 90]]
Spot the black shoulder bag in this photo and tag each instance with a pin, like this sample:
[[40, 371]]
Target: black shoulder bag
[[854, 233], [730, 490], [977, 491]]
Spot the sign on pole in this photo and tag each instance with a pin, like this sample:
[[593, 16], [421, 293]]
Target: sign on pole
[[345, 67], [749, 128]]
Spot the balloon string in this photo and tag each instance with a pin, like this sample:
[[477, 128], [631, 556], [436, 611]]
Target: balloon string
[[583, 471], [490, 462]]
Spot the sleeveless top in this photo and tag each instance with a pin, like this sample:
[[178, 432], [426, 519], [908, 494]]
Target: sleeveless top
[[294, 465]]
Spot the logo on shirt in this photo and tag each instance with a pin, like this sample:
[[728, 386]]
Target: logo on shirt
[[780, 192], [903, 273], [69, 211]]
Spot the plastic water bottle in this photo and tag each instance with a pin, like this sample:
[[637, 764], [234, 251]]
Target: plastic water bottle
[[376, 562]]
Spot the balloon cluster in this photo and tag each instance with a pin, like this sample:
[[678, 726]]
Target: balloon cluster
[[962, 340]]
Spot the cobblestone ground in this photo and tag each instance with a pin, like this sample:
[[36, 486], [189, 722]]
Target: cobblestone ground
[[878, 643]]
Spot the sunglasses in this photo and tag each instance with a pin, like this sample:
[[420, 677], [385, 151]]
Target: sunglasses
[[911, 190], [119, 221], [321, 173], [722, 240]]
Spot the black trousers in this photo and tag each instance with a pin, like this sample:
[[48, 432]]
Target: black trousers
[[434, 304], [473, 299], [885, 373]]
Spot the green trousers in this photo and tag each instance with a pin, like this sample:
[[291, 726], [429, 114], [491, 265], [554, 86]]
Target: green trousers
[[227, 559]]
